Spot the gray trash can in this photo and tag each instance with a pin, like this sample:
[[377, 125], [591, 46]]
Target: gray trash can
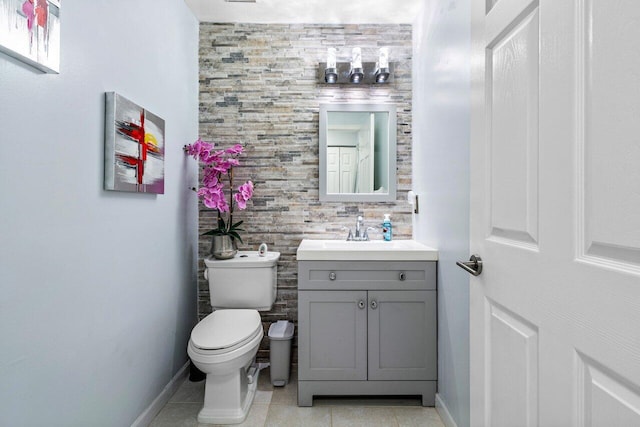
[[280, 336]]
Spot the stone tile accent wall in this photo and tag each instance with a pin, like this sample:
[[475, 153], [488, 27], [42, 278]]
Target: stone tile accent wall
[[259, 87]]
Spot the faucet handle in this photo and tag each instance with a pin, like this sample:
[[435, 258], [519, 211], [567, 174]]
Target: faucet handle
[[350, 236], [366, 232]]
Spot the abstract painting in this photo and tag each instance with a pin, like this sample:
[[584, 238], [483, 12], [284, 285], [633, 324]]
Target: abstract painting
[[30, 32], [134, 147]]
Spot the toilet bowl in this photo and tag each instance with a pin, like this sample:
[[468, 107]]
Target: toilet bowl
[[224, 344]]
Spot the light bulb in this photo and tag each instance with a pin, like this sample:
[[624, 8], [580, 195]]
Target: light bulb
[[356, 58], [331, 57], [383, 58]]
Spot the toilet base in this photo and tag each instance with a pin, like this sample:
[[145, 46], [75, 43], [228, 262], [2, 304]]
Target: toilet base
[[228, 398]]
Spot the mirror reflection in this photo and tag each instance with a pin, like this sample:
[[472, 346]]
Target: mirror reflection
[[357, 152]]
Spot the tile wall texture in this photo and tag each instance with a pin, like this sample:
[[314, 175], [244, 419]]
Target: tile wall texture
[[259, 87]]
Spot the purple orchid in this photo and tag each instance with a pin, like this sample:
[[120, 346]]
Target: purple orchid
[[245, 192], [218, 167]]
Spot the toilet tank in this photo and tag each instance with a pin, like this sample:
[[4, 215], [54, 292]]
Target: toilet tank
[[245, 281]]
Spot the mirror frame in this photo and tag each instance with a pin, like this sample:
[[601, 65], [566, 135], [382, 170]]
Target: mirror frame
[[325, 109]]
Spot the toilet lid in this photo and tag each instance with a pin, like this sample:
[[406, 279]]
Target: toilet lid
[[225, 328]]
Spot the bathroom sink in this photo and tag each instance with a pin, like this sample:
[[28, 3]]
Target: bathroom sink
[[373, 250]]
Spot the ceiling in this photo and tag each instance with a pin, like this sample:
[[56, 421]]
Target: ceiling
[[307, 11]]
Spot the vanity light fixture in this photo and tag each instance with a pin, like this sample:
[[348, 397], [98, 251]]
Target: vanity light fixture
[[382, 66], [356, 71], [355, 74], [331, 71]]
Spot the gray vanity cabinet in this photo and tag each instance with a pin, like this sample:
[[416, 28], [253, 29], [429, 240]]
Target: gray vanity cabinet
[[402, 335], [366, 328], [334, 341]]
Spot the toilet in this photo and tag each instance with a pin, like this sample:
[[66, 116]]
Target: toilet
[[224, 344]]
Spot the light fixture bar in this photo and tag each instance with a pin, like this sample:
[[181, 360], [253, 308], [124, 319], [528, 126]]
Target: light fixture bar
[[356, 72], [343, 70]]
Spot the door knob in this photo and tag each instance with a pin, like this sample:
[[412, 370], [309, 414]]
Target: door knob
[[473, 266], [361, 304], [374, 304]]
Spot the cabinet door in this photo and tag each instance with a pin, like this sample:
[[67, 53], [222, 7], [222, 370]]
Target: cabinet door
[[332, 335], [402, 335]]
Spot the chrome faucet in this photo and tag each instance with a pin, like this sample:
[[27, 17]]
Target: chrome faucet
[[359, 227], [362, 234]]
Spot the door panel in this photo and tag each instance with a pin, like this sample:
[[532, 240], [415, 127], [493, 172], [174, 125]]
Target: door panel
[[512, 363], [603, 394], [348, 169], [512, 114], [609, 148], [333, 170]]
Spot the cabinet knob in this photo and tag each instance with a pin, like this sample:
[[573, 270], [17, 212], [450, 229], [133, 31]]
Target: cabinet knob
[[332, 276], [403, 276], [374, 304], [361, 304]]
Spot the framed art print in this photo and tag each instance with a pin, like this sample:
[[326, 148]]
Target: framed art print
[[30, 32], [134, 147]]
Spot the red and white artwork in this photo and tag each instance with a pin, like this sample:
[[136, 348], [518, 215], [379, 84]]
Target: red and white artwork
[[134, 147]]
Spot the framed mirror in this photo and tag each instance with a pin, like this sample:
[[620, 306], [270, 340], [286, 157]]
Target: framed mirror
[[357, 152]]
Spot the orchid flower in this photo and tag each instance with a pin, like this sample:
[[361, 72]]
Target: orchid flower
[[218, 167]]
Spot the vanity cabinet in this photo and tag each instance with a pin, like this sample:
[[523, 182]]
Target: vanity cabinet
[[367, 328]]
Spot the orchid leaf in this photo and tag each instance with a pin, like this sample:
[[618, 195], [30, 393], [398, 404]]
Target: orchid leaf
[[235, 236]]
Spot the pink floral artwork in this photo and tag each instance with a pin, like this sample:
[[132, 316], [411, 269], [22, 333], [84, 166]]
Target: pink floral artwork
[[30, 32]]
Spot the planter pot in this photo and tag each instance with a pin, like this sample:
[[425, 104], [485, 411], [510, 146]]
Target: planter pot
[[223, 247]]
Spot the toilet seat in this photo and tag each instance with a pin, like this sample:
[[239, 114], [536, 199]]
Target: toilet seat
[[225, 330]]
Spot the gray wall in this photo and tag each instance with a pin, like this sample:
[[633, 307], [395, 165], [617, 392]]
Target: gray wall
[[97, 289], [259, 87], [441, 148]]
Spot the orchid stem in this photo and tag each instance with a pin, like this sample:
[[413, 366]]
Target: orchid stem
[[230, 199]]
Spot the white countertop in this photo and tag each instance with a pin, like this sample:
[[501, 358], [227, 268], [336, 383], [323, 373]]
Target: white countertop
[[373, 250]]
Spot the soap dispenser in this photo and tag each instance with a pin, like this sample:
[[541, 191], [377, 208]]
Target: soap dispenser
[[387, 228]]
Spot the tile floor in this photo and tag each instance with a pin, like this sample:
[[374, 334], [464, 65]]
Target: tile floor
[[277, 406]]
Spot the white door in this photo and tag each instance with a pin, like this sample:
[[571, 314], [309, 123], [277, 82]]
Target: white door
[[348, 169], [341, 169], [333, 170], [555, 213]]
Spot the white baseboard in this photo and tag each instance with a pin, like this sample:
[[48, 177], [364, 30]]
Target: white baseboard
[[446, 417], [158, 403]]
